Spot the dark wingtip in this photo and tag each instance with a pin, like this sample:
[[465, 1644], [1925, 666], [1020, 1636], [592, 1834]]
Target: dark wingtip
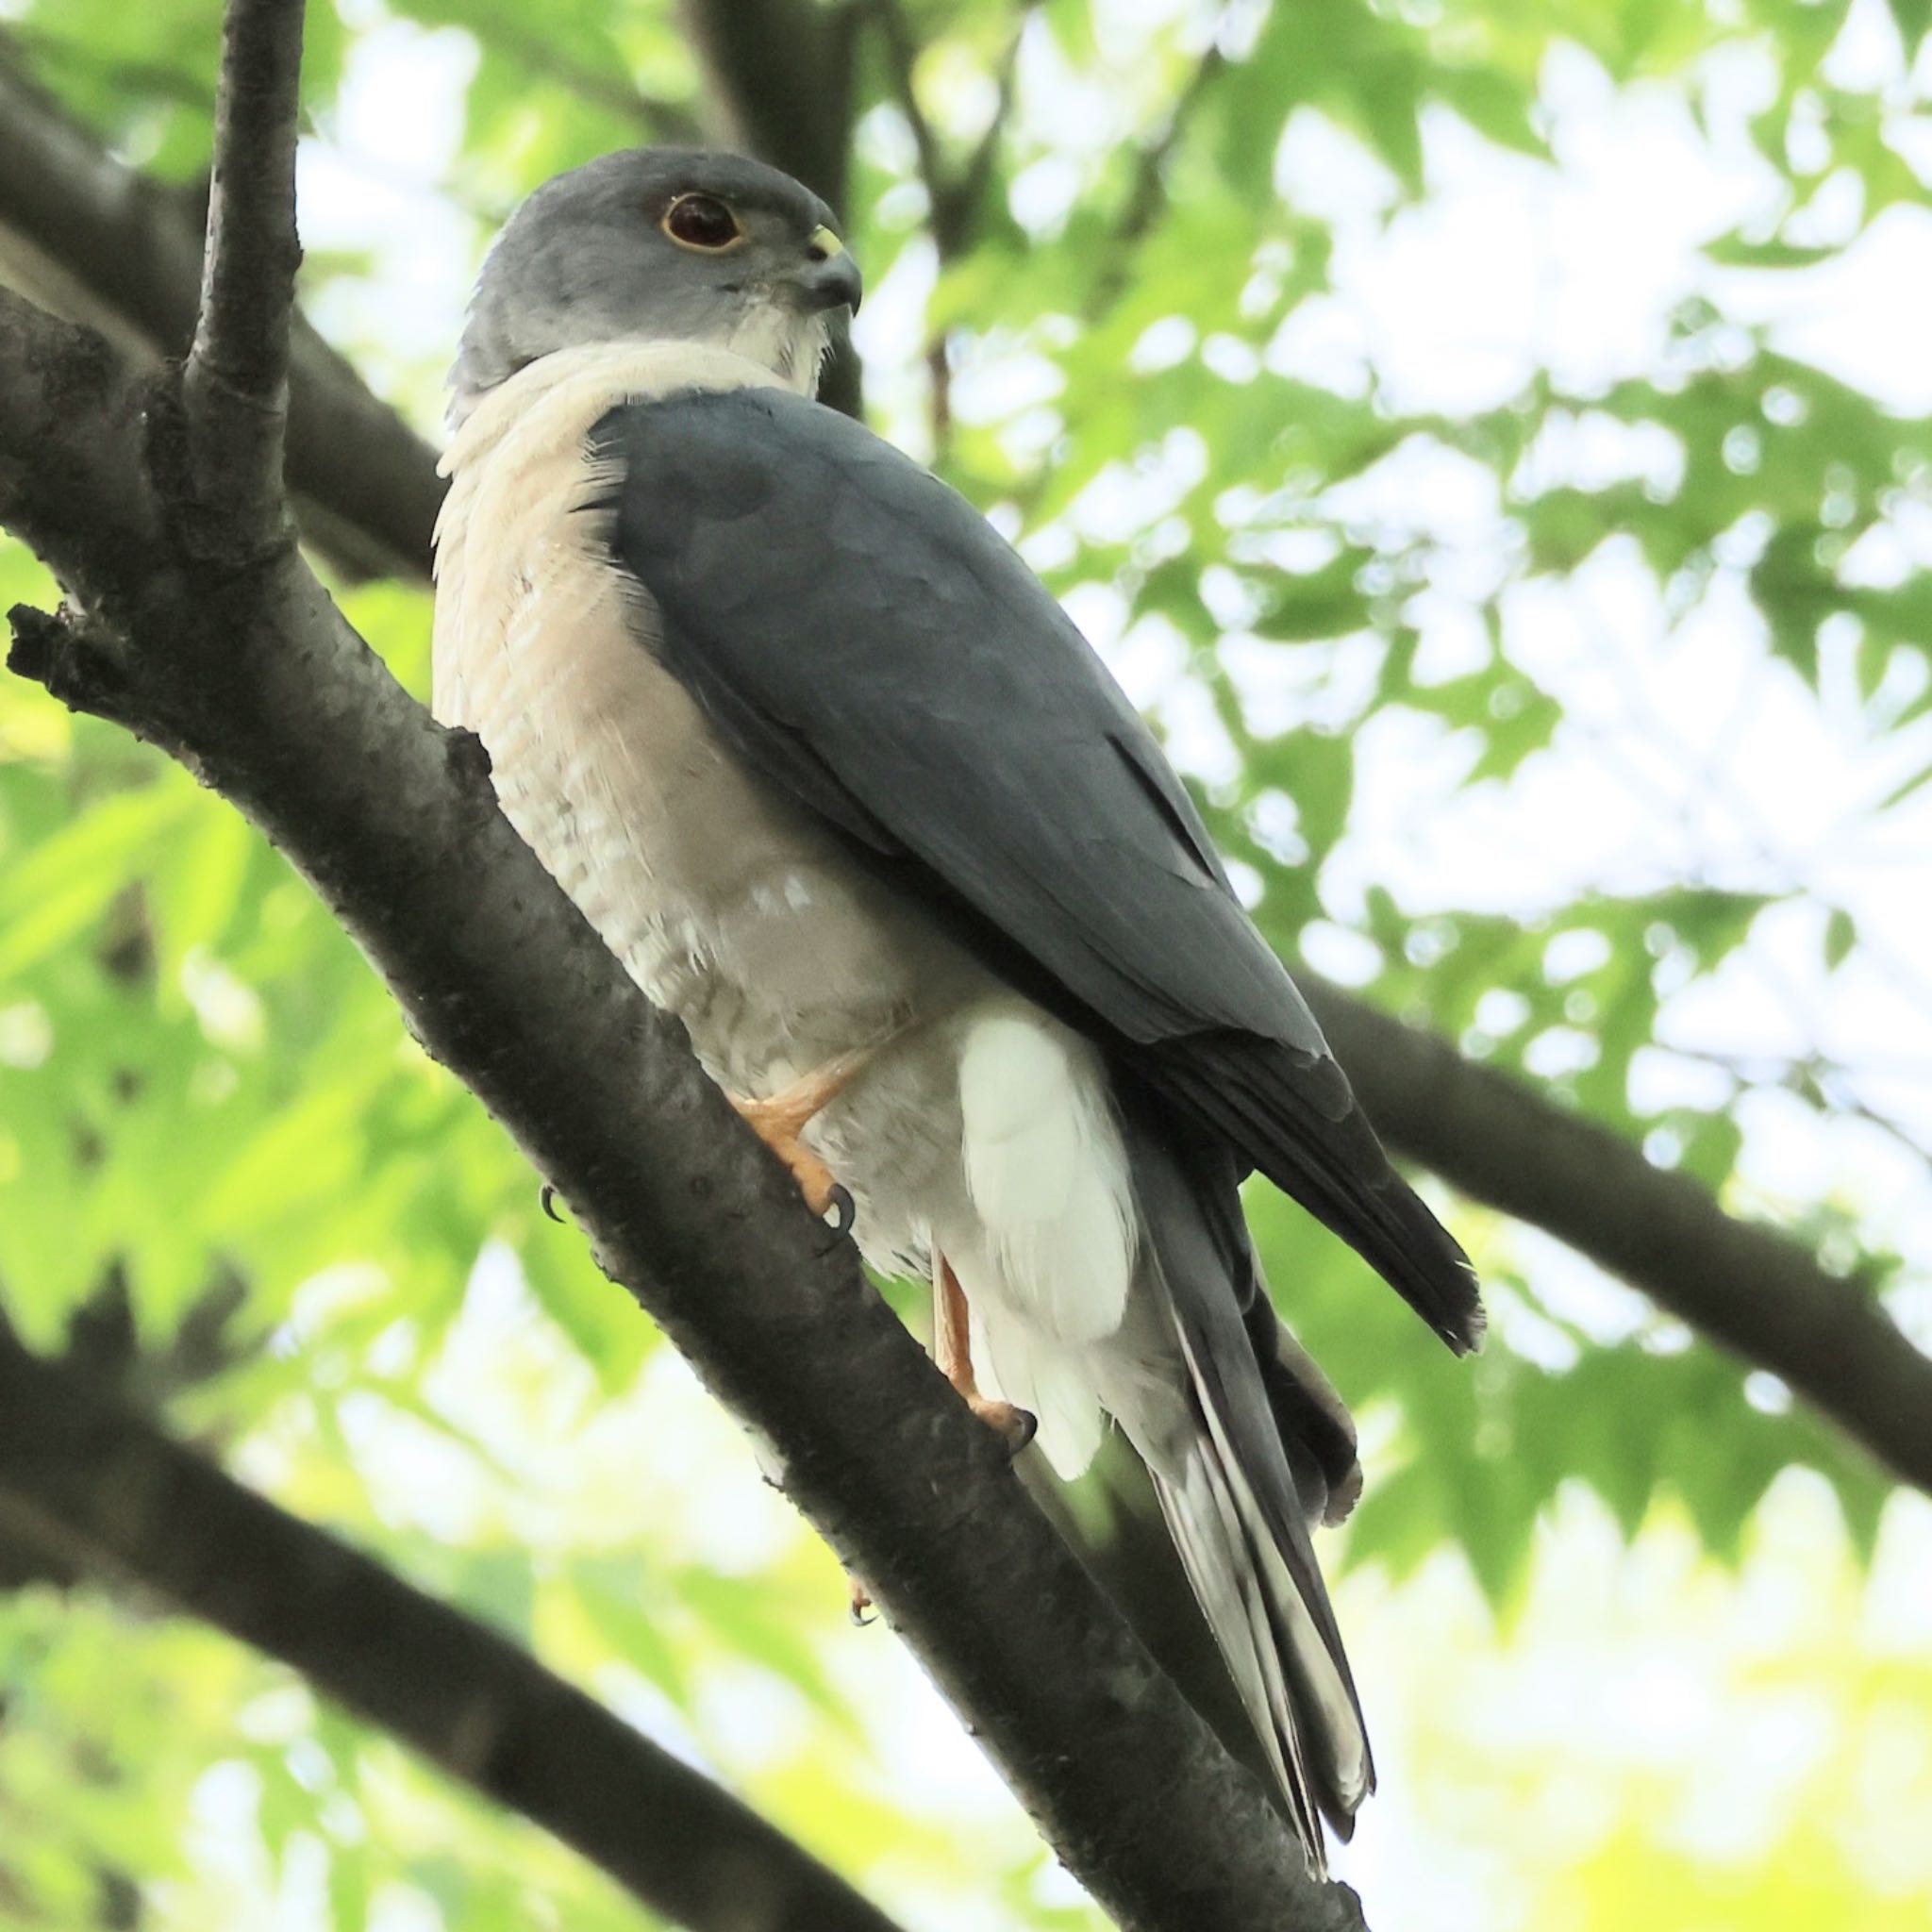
[[1296, 1120], [1401, 1238], [1474, 1331]]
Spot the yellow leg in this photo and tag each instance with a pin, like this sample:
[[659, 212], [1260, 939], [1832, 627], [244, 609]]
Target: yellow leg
[[952, 1333], [781, 1122]]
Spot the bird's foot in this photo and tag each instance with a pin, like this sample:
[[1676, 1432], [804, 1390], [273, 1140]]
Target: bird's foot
[[953, 1350], [823, 1194], [780, 1123], [1013, 1426], [777, 1125]]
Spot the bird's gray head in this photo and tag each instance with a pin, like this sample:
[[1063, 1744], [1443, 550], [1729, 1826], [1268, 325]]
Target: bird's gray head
[[659, 243]]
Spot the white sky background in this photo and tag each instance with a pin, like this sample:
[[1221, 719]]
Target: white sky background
[[1687, 754]]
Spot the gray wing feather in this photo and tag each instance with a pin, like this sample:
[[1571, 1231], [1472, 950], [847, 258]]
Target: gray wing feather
[[863, 638]]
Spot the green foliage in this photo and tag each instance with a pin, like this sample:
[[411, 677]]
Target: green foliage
[[206, 1105]]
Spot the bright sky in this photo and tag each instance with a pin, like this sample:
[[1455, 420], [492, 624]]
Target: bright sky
[[1686, 753]]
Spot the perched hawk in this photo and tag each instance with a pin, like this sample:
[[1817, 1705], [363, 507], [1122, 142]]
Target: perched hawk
[[845, 790]]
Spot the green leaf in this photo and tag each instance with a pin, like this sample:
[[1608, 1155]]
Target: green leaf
[[58, 891], [1912, 18], [1734, 250], [1840, 935]]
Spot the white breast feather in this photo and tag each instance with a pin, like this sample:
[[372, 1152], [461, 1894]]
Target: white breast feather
[[731, 906]]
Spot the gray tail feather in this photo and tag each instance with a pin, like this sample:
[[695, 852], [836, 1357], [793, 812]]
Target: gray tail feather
[[1228, 1575], [1294, 1685], [1239, 1496]]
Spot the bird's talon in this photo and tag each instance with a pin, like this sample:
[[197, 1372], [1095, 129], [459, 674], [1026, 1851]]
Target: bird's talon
[[863, 1616], [546, 1198], [1015, 1426], [839, 1212]]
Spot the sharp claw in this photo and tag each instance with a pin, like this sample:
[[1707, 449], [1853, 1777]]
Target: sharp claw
[[840, 1211], [863, 1616], [1015, 1426], [546, 1197]]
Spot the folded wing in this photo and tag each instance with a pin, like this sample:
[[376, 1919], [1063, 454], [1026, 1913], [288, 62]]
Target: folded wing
[[866, 640]]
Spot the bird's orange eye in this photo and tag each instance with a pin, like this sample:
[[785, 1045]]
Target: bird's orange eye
[[702, 221]]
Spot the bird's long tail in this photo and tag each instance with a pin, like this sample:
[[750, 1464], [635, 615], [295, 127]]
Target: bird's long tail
[[1242, 1486]]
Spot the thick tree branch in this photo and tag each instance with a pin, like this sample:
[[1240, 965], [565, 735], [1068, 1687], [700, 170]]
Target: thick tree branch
[[253, 679], [100, 1489], [782, 74], [1754, 1290]]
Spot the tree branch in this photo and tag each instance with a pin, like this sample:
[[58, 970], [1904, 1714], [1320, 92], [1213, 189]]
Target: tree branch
[[1754, 1291], [782, 74], [782, 71], [902, 53], [254, 680], [99, 1488], [953, 201], [236, 381], [96, 242], [1143, 203], [952, 197], [977, 177]]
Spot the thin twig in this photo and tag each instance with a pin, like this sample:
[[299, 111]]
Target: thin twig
[[902, 55], [955, 201], [977, 176], [954, 197], [1137, 212]]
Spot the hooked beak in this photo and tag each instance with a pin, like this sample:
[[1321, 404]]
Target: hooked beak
[[832, 279]]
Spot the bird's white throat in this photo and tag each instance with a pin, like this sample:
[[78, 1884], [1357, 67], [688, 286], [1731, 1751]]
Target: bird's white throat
[[565, 392]]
